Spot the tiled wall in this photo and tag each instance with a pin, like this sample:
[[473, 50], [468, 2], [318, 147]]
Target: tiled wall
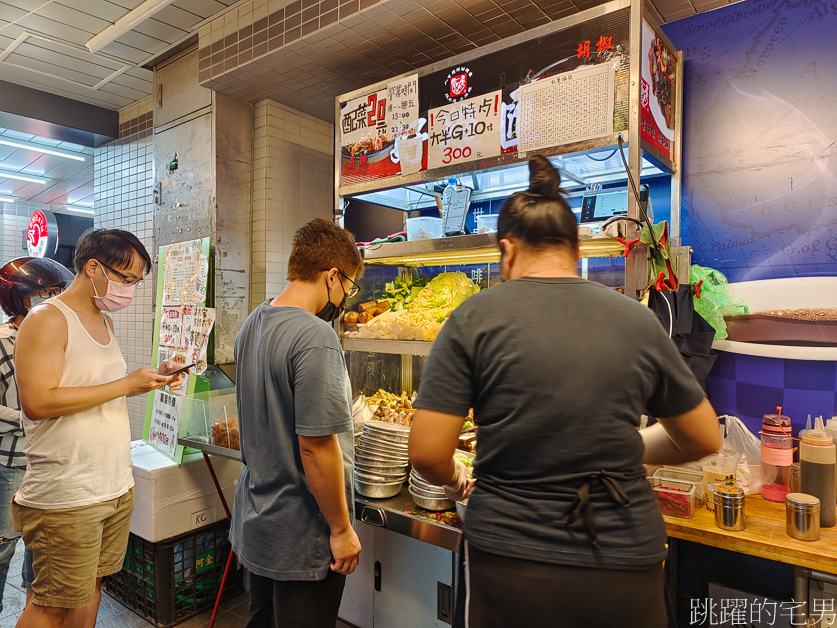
[[293, 182], [123, 180]]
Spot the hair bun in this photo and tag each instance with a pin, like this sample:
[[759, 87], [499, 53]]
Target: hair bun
[[544, 178]]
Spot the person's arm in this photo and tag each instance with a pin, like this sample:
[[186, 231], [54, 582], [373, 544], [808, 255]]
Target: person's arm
[[682, 438], [322, 410], [39, 363], [322, 461], [433, 440]]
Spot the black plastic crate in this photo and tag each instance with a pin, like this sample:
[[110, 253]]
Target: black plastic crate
[[169, 581]]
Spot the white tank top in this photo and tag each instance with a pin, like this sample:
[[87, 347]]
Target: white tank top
[[84, 458]]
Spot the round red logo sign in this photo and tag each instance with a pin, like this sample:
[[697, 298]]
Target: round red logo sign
[[37, 235]]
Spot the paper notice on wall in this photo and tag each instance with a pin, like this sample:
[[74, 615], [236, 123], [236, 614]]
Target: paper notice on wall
[[410, 152], [363, 119], [171, 326], [464, 131], [203, 319], [566, 108], [199, 294], [402, 105], [182, 275], [165, 422]]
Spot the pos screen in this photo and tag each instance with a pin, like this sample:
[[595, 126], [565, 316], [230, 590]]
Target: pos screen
[[600, 206]]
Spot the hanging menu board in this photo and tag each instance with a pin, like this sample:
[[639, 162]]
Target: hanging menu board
[[582, 71], [659, 85], [570, 107], [182, 328]]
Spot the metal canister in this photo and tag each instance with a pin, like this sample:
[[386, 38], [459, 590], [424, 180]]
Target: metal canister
[[729, 507], [802, 516]]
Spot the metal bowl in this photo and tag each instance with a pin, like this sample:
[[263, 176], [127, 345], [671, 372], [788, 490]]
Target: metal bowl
[[384, 443], [460, 509], [431, 504], [431, 494], [377, 468], [374, 452], [380, 461], [374, 478], [378, 491], [424, 486], [384, 426]]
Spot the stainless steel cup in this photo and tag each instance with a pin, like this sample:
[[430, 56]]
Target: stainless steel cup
[[729, 507], [802, 516]]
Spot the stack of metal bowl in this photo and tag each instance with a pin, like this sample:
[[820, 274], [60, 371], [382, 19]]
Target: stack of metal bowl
[[381, 459], [427, 495]]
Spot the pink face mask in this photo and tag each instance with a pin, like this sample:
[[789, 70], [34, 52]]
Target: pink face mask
[[117, 297]]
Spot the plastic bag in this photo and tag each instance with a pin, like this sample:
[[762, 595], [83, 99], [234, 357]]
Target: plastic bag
[[739, 439], [361, 413], [715, 301]]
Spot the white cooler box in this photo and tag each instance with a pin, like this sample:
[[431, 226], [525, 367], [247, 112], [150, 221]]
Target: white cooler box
[[170, 499]]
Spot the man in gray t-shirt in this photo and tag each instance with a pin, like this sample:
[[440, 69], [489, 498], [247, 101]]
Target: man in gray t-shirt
[[293, 512]]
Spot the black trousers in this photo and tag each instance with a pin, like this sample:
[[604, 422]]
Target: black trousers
[[503, 592], [280, 604]]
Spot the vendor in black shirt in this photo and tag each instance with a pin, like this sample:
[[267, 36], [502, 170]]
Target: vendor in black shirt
[[562, 528]]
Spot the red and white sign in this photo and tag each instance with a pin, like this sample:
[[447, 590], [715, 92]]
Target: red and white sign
[[42, 234], [466, 131], [457, 84], [659, 84]]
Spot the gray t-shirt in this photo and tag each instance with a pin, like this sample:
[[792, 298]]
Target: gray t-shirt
[[291, 381], [558, 372]]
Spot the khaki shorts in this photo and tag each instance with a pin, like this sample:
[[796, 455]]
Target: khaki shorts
[[73, 547]]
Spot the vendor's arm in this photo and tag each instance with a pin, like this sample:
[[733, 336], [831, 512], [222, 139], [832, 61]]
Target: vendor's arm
[[39, 363], [322, 461], [433, 440], [682, 438]]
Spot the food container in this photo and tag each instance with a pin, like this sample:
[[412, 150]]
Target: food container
[[381, 467], [676, 498], [684, 474], [729, 507], [377, 491], [487, 223], [460, 509], [367, 474], [424, 228], [802, 516], [430, 503]]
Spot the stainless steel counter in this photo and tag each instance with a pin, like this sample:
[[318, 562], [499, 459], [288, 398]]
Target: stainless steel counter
[[391, 514]]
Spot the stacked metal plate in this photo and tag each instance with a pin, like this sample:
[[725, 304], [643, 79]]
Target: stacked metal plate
[[381, 459], [427, 495]]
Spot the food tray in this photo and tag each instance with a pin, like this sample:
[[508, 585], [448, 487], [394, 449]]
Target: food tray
[[676, 498]]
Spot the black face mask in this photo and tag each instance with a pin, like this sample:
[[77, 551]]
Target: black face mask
[[331, 312]]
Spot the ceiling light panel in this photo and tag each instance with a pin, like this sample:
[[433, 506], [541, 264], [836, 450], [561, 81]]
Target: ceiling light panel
[[42, 149], [19, 176]]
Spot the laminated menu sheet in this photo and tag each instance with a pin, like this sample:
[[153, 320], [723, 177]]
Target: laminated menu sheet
[[565, 108]]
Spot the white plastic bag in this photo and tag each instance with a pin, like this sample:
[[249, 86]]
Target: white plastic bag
[[742, 441]]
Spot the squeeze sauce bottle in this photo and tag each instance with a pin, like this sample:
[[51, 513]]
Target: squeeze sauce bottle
[[818, 468]]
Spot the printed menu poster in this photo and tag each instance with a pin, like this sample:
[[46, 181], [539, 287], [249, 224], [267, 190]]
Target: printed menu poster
[[185, 275], [565, 108], [165, 422], [182, 329], [659, 82], [464, 131], [365, 142]]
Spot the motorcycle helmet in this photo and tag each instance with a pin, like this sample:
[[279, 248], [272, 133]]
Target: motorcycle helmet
[[24, 276]]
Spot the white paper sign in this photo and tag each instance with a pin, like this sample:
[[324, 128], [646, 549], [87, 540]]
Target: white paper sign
[[569, 107], [465, 131], [182, 276], [165, 422], [402, 105]]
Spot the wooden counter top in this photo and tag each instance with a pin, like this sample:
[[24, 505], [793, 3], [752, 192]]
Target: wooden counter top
[[764, 536]]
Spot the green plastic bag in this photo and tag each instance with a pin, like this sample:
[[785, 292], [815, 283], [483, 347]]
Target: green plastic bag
[[715, 301]]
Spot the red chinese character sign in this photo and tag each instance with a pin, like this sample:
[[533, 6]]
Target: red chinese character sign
[[659, 80], [465, 131], [365, 143]]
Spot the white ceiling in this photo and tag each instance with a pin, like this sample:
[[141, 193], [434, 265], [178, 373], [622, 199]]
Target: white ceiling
[[42, 45], [70, 181]]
